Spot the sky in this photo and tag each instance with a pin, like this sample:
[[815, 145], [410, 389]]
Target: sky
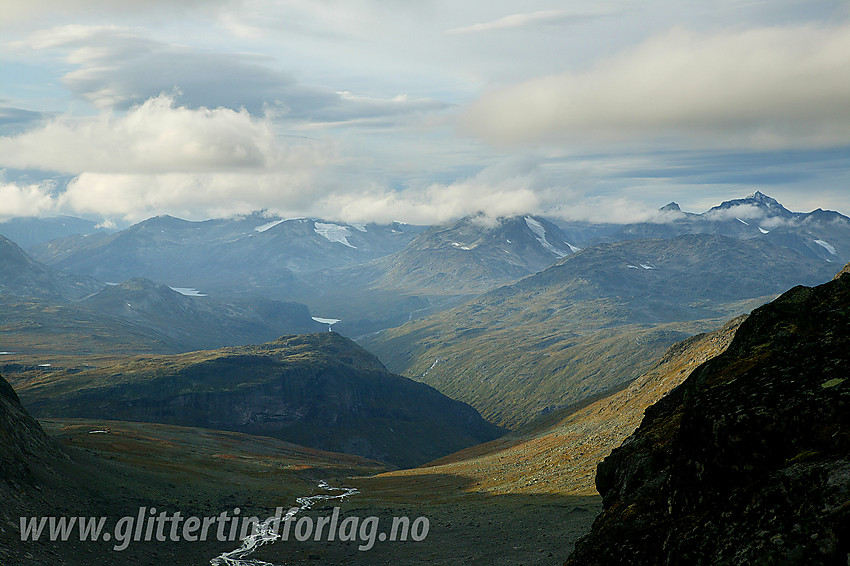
[[380, 110]]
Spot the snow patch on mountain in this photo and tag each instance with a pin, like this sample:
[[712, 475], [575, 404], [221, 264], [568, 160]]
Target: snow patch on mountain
[[188, 291], [333, 233], [827, 246], [267, 225], [540, 234], [763, 231]]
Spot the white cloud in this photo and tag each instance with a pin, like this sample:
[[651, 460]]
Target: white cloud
[[436, 203], [160, 158], [155, 137], [118, 67], [187, 195], [741, 211], [610, 209], [25, 200], [512, 187], [768, 87]]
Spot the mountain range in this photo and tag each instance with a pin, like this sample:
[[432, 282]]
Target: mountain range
[[225, 256], [820, 234], [593, 320], [507, 314], [374, 277]]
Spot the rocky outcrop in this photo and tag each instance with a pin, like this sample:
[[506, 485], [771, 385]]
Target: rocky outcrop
[[22, 440], [748, 462]]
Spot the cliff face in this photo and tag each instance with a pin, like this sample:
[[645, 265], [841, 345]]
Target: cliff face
[[22, 441], [749, 460]]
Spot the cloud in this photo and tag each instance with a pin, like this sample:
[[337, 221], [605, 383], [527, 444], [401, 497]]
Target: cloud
[[117, 68], [540, 17], [436, 203], [155, 137], [26, 200], [160, 157], [508, 188], [187, 195], [517, 186], [768, 88], [742, 211]]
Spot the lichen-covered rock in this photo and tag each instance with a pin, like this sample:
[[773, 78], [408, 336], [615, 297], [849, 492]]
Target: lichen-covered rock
[[748, 462]]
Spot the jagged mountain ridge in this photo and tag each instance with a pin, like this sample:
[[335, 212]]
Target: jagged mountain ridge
[[318, 390], [820, 234], [747, 461]]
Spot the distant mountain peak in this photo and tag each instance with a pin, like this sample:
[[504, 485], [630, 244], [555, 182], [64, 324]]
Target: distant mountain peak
[[768, 204], [671, 207], [762, 198]]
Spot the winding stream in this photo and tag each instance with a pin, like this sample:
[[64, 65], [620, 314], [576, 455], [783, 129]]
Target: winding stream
[[266, 532]]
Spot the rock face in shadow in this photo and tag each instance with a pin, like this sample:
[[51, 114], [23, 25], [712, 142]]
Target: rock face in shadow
[[748, 461], [23, 443]]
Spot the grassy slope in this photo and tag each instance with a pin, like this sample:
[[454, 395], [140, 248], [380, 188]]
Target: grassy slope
[[558, 453], [195, 471]]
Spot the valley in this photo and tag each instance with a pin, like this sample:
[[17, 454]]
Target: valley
[[475, 373]]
